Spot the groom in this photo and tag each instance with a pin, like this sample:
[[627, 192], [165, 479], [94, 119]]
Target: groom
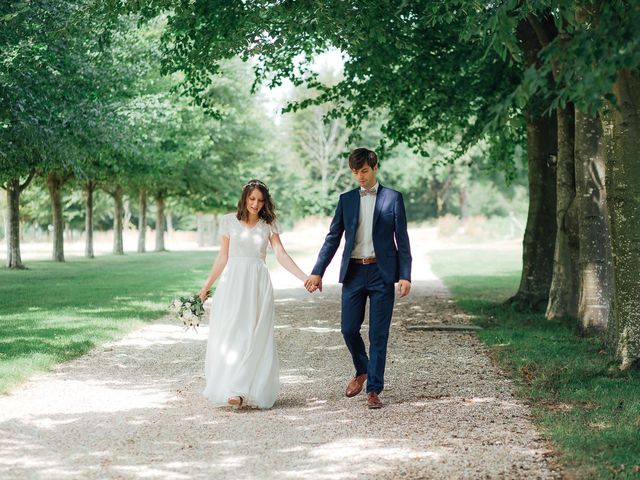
[[376, 255]]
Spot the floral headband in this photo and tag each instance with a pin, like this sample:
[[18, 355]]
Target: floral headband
[[255, 183]]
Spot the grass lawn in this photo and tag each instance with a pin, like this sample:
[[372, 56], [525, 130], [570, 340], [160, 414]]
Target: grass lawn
[[54, 312], [588, 408]]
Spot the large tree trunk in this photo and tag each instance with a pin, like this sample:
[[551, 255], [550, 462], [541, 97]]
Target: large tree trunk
[[623, 194], [142, 221], [540, 232], [594, 269], [160, 223], [13, 234], [563, 293], [89, 188], [55, 181], [118, 214], [14, 189]]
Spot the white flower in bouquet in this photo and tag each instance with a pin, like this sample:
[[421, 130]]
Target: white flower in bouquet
[[189, 310]]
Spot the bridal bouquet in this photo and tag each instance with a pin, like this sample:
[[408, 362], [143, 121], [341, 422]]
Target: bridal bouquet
[[189, 310]]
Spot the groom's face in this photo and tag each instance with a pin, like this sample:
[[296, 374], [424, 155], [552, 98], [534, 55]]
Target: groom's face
[[365, 176]]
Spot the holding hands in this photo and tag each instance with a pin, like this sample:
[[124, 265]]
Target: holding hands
[[313, 283]]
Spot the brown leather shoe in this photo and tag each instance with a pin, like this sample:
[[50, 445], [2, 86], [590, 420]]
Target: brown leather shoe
[[355, 385], [373, 401]]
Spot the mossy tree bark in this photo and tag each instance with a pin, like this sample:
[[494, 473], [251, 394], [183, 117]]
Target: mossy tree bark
[[563, 292], [622, 137], [594, 268]]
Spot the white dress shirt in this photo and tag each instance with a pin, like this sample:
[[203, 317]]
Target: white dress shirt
[[363, 247]]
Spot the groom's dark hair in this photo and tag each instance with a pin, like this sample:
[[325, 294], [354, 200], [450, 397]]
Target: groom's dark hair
[[360, 156]]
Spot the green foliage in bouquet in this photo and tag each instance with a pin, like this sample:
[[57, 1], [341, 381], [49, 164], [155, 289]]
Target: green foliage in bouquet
[[189, 310]]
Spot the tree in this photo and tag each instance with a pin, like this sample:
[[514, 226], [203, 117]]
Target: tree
[[321, 146], [27, 115], [406, 60], [622, 172], [595, 247], [542, 150], [424, 61], [434, 85], [14, 188], [51, 101], [563, 291], [600, 62]]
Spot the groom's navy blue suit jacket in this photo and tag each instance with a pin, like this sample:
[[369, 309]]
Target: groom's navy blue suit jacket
[[390, 238]]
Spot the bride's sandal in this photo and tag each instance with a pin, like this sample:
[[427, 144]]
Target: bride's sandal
[[235, 401]]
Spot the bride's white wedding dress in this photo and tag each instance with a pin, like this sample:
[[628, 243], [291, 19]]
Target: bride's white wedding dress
[[241, 357]]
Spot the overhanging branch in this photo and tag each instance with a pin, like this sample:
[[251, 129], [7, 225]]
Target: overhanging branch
[[26, 183]]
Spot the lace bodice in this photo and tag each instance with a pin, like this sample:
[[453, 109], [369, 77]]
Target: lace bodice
[[245, 241]]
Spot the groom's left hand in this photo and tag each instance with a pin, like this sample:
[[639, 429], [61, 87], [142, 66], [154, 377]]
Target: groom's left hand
[[313, 283], [404, 287]]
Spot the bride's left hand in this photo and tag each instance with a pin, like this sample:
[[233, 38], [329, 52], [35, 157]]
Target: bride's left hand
[[203, 294]]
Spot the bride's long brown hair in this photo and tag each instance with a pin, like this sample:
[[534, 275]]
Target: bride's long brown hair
[[268, 210]]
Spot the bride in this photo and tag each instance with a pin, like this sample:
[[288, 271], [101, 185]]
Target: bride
[[241, 364]]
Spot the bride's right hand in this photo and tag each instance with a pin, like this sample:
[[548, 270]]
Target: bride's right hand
[[313, 283]]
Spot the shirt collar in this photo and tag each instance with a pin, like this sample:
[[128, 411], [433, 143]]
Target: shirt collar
[[375, 187]]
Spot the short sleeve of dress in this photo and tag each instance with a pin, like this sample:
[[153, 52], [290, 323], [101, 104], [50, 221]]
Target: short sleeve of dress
[[224, 226], [274, 227]]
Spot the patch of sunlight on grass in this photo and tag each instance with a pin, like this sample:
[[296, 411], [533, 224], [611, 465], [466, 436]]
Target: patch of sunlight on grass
[[82, 303], [14, 370]]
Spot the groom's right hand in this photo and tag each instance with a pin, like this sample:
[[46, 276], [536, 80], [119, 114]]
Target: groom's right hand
[[313, 283]]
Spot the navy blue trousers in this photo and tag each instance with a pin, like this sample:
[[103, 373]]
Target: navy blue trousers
[[360, 283]]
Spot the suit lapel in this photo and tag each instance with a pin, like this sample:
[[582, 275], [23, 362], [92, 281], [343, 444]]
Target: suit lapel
[[379, 203], [356, 207]]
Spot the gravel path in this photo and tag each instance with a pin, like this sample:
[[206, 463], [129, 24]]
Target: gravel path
[[133, 409]]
